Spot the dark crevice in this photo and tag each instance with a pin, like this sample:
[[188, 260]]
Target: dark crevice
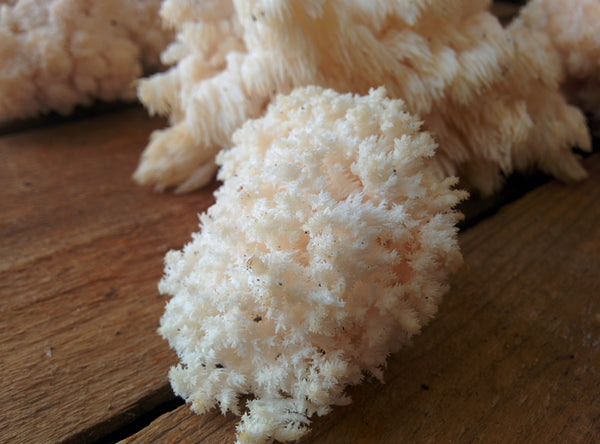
[[126, 423], [53, 118], [475, 209], [141, 422]]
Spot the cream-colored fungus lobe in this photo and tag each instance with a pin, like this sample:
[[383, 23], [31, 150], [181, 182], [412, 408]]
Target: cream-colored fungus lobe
[[57, 54], [329, 246], [573, 28], [489, 95]]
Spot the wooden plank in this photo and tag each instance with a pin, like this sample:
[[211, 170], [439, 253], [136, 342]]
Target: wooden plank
[[80, 257], [514, 355]]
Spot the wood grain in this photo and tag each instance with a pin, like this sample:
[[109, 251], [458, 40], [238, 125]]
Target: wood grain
[[80, 256], [513, 356]]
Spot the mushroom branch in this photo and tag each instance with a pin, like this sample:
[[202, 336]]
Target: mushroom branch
[[489, 95], [573, 29]]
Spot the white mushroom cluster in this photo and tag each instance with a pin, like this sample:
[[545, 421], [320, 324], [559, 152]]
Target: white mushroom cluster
[[489, 95], [328, 247], [57, 54], [573, 28]]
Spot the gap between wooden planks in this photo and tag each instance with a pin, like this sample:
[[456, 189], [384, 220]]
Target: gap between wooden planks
[[513, 356]]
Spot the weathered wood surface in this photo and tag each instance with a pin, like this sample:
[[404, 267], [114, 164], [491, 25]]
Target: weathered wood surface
[[513, 356], [81, 252]]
